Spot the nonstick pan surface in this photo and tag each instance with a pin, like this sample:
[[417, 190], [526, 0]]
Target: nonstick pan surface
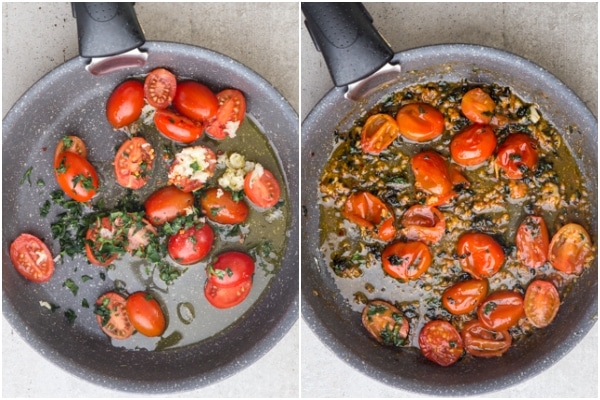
[[328, 319], [272, 320]]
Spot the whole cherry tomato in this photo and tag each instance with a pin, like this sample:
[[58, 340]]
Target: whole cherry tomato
[[385, 323], [501, 310], [219, 206], [478, 106], [125, 104], [464, 297], [369, 211], [432, 176], [480, 341], [441, 343], [196, 101], [480, 254], [406, 260], [168, 203], [177, 127], [145, 314], [191, 245], [532, 241], [420, 122], [473, 145], [571, 249], [516, 155], [76, 176]]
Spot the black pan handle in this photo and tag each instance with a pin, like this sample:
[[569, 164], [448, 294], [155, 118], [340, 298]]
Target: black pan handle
[[107, 29], [345, 35]]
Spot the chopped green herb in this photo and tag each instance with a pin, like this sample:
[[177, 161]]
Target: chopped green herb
[[72, 286], [26, 176], [71, 316]]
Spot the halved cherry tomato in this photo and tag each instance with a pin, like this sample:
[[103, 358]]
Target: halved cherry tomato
[[230, 115], [112, 316], [100, 240], [480, 341], [541, 303], [480, 254], [70, 143], [133, 163], [368, 210], [385, 323], [196, 101], [227, 297], [177, 127], [191, 245], [464, 297], [219, 206], [423, 223], [145, 314], [192, 168], [473, 145], [420, 122], [160, 87], [478, 106], [432, 176], [139, 234], [571, 249], [378, 133], [406, 260], [516, 155], [76, 176], [230, 269], [262, 188], [501, 310], [532, 241], [441, 343], [124, 106], [168, 203], [31, 258]]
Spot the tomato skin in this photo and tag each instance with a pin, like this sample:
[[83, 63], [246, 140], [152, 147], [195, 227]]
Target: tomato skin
[[432, 176], [70, 143], [571, 249], [110, 308], [71, 168], [133, 163], [378, 133], [385, 323], [501, 310], [95, 255], [367, 210], [168, 203], [480, 341], [473, 145], [191, 245], [32, 258], [420, 122], [424, 224], [196, 101], [532, 241], [124, 106], [478, 106], [230, 269], [541, 303], [263, 191], [406, 260], [464, 297], [517, 154], [145, 314], [480, 255], [219, 206], [177, 127], [230, 114], [441, 343], [226, 297], [160, 86]]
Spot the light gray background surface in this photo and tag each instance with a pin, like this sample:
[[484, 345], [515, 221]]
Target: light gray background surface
[[563, 38], [38, 37]]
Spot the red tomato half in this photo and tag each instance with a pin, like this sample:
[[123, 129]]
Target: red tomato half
[[369, 211], [76, 176], [112, 316], [516, 155], [219, 206], [480, 255], [473, 145], [532, 241], [464, 297], [31, 258], [501, 310], [541, 303], [145, 314], [230, 269], [478, 106], [176, 127], [125, 104], [191, 245], [98, 240], [441, 343], [230, 115], [133, 163], [433, 177], [263, 190], [378, 133], [385, 323], [420, 122], [227, 297], [70, 143], [160, 87], [480, 341], [406, 261], [571, 249], [424, 224], [168, 203], [196, 101]]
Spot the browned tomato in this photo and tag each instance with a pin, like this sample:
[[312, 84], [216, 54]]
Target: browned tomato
[[424, 224], [501, 310], [480, 341], [420, 122], [441, 343], [571, 249], [406, 260], [532, 241], [516, 155], [473, 145], [385, 323], [541, 303], [478, 106], [378, 133], [480, 254], [432, 176], [368, 210], [464, 297]]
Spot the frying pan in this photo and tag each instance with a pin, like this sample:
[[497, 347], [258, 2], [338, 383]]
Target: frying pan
[[35, 122], [328, 314]]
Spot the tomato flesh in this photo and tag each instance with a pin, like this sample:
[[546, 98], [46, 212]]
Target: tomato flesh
[[441, 343], [571, 249], [423, 223], [196, 101], [112, 316], [32, 258], [501, 310], [480, 255], [145, 314], [420, 122], [385, 323], [378, 133], [101, 232], [478, 106], [70, 143], [367, 210], [192, 168], [406, 260], [191, 245], [532, 241], [133, 163], [230, 114], [480, 341], [76, 176], [124, 106], [473, 145], [168, 203], [262, 189], [541, 303], [464, 297], [432, 176], [160, 86], [219, 206]]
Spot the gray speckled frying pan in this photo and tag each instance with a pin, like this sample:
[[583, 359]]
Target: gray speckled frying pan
[[328, 313], [72, 100]]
